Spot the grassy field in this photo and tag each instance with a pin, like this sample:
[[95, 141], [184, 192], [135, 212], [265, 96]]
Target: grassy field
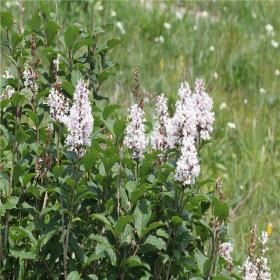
[[234, 46]]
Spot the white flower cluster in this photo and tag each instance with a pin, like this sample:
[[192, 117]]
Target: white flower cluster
[[9, 90], [80, 121], [135, 138], [7, 93], [193, 119], [183, 123], [59, 105], [30, 77], [159, 138], [188, 167], [225, 251], [204, 114], [258, 268]]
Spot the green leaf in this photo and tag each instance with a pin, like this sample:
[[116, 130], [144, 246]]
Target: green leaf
[[201, 261], [113, 42], [127, 235], [103, 219], [142, 215], [22, 254], [15, 39], [6, 20], [82, 42], [70, 36], [51, 29], [58, 171], [27, 178], [68, 87], [11, 203], [121, 224], [133, 261], [104, 75], [35, 22], [107, 251], [109, 110], [73, 275], [220, 209], [4, 139], [77, 249], [21, 136], [118, 129], [92, 277], [34, 117], [152, 226], [138, 192], [176, 220], [155, 242], [4, 185]]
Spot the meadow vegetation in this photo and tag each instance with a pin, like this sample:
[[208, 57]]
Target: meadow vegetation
[[234, 47]]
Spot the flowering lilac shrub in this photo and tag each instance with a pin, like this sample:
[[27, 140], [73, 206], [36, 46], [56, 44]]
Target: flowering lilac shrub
[[87, 193]]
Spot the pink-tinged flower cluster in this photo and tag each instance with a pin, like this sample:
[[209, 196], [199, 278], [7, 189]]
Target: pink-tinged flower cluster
[[135, 138], [29, 78], [193, 118], [188, 167], [204, 115], [257, 268], [80, 121], [159, 138], [225, 251], [7, 93], [58, 104], [183, 123], [9, 90]]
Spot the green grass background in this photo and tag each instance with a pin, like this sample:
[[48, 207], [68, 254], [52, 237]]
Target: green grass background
[[244, 60]]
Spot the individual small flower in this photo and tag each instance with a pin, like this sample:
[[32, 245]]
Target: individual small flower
[[167, 25], [254, 15], [262, 90], [277, 72], [159, 39], [113, 13], [202, 14], [215, 75], [223, 106], [59, 105], [205, 117], [135, 138], [274, 44], [120, 27], [245, 101], [80, 121], [269, 228], [225, 251], [159, 137], [56, 63], [212, 48], [187, 168], [7, 93], [7, 75], [231, 125], [179, 14], [30, 77], [183, 123], [269, 29]]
